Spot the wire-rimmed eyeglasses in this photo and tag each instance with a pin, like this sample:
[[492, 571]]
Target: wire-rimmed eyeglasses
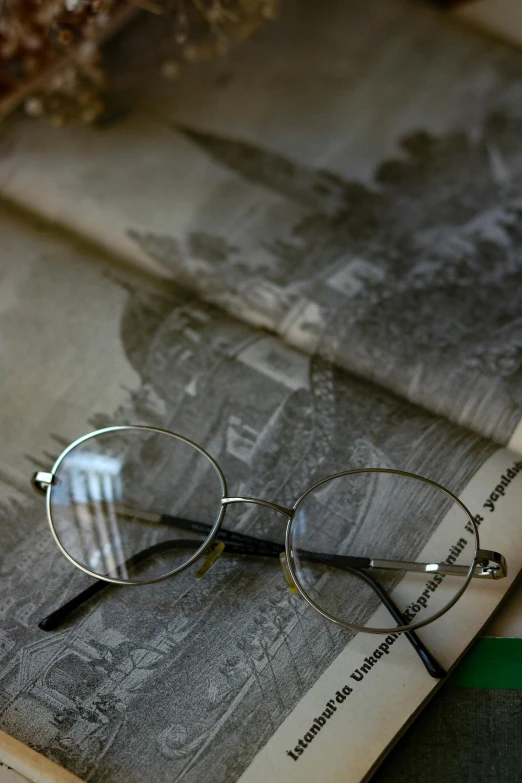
[[137, 505]]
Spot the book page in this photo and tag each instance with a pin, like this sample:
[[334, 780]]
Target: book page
[[499, 17], [147, 682], [8, 775], [349, 179]]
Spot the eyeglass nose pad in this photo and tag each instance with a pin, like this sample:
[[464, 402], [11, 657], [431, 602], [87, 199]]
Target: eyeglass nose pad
[[288, 576], [210, 560]]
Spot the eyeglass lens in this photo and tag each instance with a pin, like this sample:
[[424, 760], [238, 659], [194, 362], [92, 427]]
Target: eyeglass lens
[[371, 516], [111, 492]]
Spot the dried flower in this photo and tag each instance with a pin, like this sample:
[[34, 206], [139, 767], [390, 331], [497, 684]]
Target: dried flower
[[60, 38]]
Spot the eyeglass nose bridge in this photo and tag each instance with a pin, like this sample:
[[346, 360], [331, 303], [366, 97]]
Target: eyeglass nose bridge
[[287, 512]]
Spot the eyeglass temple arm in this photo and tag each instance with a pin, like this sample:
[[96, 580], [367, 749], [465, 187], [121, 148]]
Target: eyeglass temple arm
[[487, 565], [433, 667], [60, 615], [240, 544]]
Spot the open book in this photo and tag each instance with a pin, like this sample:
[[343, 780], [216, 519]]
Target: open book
[[306, 260]]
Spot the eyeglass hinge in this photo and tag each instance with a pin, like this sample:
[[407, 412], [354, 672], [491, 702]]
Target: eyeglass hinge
[[490, 565], [41, 480]]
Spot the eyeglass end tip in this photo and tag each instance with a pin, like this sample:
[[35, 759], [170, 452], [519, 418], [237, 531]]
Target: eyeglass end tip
[[48, 624]]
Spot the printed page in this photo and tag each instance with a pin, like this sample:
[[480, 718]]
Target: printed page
[[349, 179], [223, 677]]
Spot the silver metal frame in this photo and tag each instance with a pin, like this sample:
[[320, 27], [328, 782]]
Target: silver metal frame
[[485, 564]]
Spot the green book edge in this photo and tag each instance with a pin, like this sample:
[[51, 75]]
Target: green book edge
[[491, 663]]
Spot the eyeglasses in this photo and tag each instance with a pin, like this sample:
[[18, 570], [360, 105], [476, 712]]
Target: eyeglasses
[[137, 505]]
